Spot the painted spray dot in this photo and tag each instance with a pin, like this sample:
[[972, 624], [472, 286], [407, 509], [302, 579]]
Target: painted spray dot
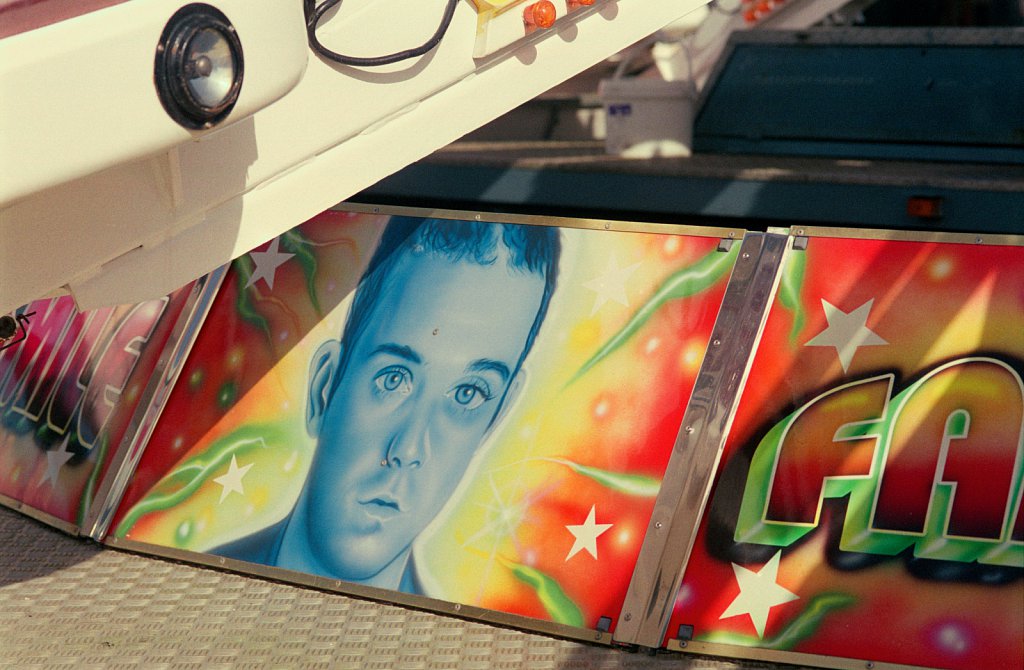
[[953, 637], [183, 533], [227, 395], [235, 358], [195, 380]]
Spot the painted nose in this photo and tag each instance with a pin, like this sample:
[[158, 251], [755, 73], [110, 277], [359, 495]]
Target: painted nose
[[410, 446]]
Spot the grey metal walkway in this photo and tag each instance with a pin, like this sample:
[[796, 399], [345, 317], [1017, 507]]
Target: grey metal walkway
[[66, 602]]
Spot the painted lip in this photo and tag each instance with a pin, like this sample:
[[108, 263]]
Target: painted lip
[[382, 506]]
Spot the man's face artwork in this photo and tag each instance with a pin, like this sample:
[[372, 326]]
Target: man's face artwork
[[423, 384]]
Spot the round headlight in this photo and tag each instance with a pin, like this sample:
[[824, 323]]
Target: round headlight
[[198, 66]]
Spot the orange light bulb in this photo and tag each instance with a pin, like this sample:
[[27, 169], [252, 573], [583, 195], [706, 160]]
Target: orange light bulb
[[541, 14]]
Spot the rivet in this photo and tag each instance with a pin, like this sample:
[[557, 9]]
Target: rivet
[[716, 342], [746, 256], [658, 524], [689, 429], [607, 226], [628, 617]]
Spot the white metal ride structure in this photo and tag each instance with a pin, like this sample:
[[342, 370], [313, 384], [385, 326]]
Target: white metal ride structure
[[132, 161], [145, 142]]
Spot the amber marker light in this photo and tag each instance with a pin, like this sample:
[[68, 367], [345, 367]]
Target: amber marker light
[[541, 14], [924, 207]]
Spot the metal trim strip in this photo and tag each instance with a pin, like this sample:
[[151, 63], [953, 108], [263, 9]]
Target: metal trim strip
[[154, 397], [534, 220], [994, 239], [43, 517], [680, 504]]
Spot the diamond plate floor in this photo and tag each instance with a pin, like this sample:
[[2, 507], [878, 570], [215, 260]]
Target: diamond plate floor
[[67, 602]]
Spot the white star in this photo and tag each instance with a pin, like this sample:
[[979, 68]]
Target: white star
[[232, 479], [267, 263], [759, 593], [847, 331], [586, 535], [610, 285], [55, 460]]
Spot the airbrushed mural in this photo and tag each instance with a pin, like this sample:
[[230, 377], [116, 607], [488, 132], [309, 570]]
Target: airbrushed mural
[[476, 412], [70, 383], [868, 505]]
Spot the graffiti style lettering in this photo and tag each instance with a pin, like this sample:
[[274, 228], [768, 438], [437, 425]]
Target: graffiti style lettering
[[74, 378], [73, 366], [113, 367], [938, 467], [31, 360]]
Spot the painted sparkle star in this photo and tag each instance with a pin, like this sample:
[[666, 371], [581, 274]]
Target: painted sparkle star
[[587, 534], [267, 263], [55, 460], [759, 593], [846, 331], [231, 481], [610, 285]]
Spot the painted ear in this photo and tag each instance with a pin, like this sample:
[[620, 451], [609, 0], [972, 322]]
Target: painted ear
[[511, 395], [322, 370]]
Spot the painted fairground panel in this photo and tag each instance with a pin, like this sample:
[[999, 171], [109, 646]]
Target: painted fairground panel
[[868, 504], [475, 412], [70, 383]]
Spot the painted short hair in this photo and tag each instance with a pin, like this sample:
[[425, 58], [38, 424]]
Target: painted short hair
[[531, 248]]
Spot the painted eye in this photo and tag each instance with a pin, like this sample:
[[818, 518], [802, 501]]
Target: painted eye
[[395, 379], [469, 396]]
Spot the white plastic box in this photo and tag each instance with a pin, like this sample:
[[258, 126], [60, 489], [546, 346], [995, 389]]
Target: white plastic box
[[648, 117]]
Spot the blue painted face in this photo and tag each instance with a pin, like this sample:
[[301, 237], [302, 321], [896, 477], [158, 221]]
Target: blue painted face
[[422, 387]]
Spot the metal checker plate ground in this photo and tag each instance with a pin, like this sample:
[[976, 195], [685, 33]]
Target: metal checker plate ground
[[66, 602]]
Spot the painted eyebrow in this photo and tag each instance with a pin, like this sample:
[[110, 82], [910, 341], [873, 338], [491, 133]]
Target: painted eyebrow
[[399, 351], [485, 364]]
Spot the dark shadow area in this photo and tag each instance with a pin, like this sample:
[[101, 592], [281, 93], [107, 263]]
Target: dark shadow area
[[33, 550]]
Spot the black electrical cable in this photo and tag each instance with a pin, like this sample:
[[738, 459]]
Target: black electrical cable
[[315, 12]]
